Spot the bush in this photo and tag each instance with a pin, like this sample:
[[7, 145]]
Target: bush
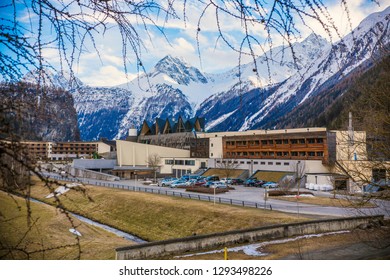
[[283, 193]]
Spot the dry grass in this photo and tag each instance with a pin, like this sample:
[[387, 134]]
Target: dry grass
[[155, 217], [312, 248], [221, 173], [326, 201], [51, 230]]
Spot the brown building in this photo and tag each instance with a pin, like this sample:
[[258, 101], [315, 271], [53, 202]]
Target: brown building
[[287, 146], [74, 148]]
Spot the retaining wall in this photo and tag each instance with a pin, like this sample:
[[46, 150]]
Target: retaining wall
[[161, 249], [84, 173]]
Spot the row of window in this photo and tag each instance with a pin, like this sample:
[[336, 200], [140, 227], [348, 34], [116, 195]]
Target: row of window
[[257, 162], [180, 162], [278, 154], [277, 142]]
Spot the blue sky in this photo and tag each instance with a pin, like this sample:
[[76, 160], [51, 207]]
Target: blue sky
[[216, 56]]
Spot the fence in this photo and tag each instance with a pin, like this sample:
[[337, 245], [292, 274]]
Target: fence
[[200, 197]]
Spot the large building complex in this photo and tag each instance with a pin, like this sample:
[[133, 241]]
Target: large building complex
[[315, 155]]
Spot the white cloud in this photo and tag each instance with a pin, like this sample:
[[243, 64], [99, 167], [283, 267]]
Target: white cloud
[[104, 76], [216, 56]]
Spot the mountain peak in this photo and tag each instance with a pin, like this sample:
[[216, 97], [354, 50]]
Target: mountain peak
[[315, 39], [177, 69]]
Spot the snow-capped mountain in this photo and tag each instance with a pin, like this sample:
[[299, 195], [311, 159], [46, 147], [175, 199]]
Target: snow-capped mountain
[[328, 68], [254, 95]]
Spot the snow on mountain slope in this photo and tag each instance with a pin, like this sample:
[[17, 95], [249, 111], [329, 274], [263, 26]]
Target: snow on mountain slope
[[239, 99], [331, 66]]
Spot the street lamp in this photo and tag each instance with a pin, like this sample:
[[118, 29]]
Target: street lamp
[[214, 187]]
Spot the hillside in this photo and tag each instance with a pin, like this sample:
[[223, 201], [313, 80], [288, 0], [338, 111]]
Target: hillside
[[357, 93], [46, 114]]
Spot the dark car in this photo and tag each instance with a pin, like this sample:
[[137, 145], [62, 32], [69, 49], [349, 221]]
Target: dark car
[[237, 181], [251, 182], [212, 178], [200, 182]]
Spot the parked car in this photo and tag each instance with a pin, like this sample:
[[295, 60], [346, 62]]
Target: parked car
[[212, 178], [270, 185], [217, 185], [165, 182], [237, 181], [200, 182], [190, 177], [226, 180], [178, 183], [250, 182]]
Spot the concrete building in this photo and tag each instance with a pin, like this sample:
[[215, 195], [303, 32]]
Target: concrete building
[[323, 157], [133, 159]]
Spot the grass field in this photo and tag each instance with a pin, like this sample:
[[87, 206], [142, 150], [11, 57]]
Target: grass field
[[327, 201], [154, 217], [50, 229]]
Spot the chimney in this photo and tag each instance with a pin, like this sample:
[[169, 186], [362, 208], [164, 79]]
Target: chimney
[[350, 129]]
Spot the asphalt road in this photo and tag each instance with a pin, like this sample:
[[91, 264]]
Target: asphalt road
[[256, 195]]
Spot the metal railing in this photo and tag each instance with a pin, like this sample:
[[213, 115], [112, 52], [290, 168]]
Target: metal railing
[[200, 197]]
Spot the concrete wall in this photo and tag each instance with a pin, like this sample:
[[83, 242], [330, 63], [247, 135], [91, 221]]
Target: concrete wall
[[155, 250], [167, 168], [136, 154], [94, 163], [252, 165], [84, 173]]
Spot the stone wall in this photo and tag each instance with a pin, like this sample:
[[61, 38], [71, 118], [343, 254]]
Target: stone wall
[[161, 249]]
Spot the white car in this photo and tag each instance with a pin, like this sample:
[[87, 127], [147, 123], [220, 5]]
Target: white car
[[218, 185], [226, 180]]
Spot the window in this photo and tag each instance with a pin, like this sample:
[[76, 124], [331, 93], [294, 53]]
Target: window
[[285, 141], [245, 153], [278, 142], [212, 145], [279, 154], [294, 154], [311, 154], [270, 142], [190, 162], [286, 163], [320, 154], [255, 162], [285, 154], [302, 154], [262, 163], [320, 140], [270, 163], [242, 162], [212, 154], [169, 161], [278, 163], [301, 141], [264, 154], [311, 140], [263, 142], [251, 153]]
